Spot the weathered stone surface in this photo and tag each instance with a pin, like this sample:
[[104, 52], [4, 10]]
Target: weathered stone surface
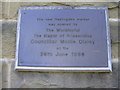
[[114, 30], [0, 55], [108, 4], [9, 38], [0, 47], [0, 39], [10, 9], [112, 6], [113, 12], [61, 1], [1, 10], [114, 27], [15, 79], [115, 50], [0, 74], [119, 73], [4, 73], [7, 74]]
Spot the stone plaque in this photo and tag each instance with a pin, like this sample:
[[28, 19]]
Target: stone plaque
[[63, 38]]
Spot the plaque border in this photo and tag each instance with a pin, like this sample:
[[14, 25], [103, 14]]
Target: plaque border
[[64, 69]]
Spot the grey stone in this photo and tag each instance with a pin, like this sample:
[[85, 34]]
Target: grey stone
[[0, 39], [0, 74], [8, 74], [17, 79], [8, 39], [0, 55]]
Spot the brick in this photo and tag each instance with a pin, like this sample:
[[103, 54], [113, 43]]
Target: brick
[[17, 79]]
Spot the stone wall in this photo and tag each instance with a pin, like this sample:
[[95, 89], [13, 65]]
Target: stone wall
[[14, 79]]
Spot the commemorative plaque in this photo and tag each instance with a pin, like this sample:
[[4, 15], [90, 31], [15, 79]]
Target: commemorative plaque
[[63, 38]]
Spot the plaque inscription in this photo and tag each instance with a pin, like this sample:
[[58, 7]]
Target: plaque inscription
[[63, 38]]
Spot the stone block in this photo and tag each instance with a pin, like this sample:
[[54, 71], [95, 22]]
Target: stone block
[[114, 30], [8, 74], [115, 50], [10, 9], [0, 39], [113, 12], [0, 10], [17, 79], [112, 6], [0, 74], [8, 39]]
